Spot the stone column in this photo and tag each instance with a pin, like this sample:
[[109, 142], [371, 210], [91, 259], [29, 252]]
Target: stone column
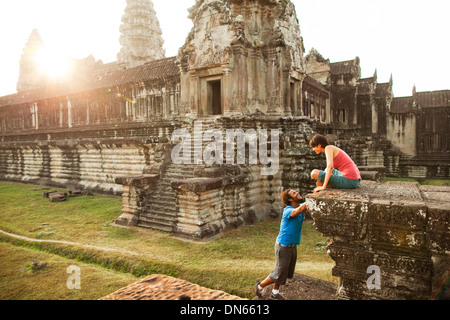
[[69, 113]]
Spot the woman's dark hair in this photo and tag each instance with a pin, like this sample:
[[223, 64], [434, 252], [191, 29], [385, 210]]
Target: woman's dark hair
[[319, 139]]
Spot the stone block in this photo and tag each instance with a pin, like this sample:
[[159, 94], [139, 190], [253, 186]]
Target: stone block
[[47, 193], [437, 200], [370, 175], [340, 213], [398, 227], [127, 220], [139, 180], [75, 193], [57, 197]]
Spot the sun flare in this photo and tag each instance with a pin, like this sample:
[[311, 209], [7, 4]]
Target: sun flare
[[52, 63]]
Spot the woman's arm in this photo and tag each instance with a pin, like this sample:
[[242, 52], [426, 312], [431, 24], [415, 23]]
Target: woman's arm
[[329, 153]]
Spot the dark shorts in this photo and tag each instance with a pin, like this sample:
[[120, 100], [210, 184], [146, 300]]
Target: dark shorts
[[286, 259], [338, 181]]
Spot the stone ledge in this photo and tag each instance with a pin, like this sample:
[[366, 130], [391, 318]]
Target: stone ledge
[[140, 180], [207, 184], [398, 226]]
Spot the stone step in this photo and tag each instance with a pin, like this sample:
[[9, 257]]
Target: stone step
[[150, 224], [161, 211], [161, 214], [161, 207]]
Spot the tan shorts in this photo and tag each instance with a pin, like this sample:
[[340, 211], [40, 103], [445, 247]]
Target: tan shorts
[[286, 259]]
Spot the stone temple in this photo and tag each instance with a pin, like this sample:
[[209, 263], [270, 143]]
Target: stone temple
[[115, 128], [208, 140]]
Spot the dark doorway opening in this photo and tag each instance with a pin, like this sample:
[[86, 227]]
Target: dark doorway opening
[[214, 97]]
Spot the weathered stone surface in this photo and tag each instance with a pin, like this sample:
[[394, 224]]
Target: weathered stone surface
[[437, 200], [370, 175], [161, 287], [57, 196], [134, 191], [140, 180], [398, 227], [75, 193], [254, 49], [46, 194]]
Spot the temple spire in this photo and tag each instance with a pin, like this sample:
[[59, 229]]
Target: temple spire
[[141, 36], [29, 76]]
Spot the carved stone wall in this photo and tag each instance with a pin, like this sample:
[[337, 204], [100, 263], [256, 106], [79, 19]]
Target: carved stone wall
[[253, 49], [398, 229]]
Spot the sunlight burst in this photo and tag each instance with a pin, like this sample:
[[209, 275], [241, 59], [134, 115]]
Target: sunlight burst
[[52, 63]]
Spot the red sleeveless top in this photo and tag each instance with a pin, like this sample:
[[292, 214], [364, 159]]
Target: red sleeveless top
[[345, 164]]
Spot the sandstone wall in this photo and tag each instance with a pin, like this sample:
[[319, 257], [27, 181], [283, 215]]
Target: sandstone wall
[[401, 127], [90, 158]]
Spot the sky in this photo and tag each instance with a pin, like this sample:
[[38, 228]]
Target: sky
[[407, 39]]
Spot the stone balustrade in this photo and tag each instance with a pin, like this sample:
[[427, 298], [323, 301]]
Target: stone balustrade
[[134, 191]]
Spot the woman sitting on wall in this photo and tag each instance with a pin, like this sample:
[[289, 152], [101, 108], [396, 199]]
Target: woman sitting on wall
[[341, 171]]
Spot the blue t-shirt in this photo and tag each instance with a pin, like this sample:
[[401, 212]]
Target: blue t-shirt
[[290, 228]]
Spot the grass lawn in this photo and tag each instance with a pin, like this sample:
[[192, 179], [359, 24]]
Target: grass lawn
[[230, 263], [20, 280], [430, 182]]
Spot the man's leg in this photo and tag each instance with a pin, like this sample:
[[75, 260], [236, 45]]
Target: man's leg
[[267, 282]]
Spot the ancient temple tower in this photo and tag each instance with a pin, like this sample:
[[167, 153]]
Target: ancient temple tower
[[242, 57], [141, 36], [29, 76]]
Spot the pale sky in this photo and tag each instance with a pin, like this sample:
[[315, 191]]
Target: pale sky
[[405, 38]]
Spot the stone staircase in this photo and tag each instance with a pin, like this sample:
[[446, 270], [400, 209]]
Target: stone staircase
[[161, 208]]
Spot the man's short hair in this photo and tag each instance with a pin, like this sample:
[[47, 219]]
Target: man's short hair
[[319, 139], [286, 197]]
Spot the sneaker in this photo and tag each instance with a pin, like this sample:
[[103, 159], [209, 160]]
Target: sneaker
[[257, 290], [277, 296]]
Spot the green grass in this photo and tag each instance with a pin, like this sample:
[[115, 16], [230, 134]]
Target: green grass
[[429, 182], [19, 280], [230, 263]]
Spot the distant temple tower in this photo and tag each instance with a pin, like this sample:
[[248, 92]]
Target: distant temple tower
[[141, 36], [29, 76]]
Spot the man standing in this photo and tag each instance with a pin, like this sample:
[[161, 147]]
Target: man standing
[[286, 244]]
